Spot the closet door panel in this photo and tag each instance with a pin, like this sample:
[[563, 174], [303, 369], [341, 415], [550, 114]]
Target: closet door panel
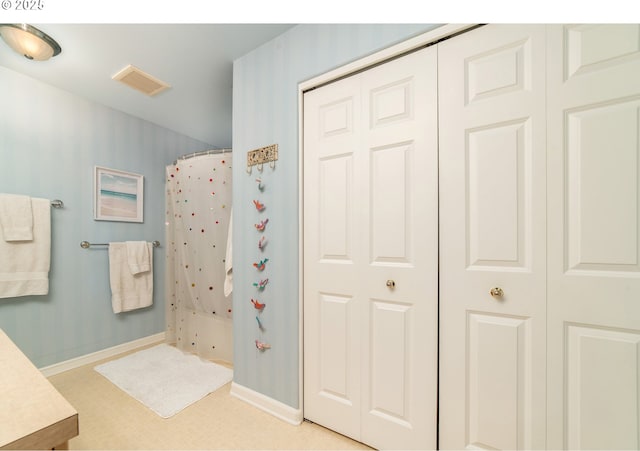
[[492, 239], [370, 254], [499, 353], [335, 358], [390, 364], [498, 162], [400, 245], [603, 235], [335, 184], [332, 394], [593, 278], [599, 358], [391, 240]]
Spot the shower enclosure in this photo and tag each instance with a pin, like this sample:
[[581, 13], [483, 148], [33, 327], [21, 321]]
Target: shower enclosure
[[198, 198]]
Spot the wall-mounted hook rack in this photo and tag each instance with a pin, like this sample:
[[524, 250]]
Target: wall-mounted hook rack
[[268, 154]]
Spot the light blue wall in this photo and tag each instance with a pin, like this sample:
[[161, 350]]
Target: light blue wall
[[265, 111], [50, 141]]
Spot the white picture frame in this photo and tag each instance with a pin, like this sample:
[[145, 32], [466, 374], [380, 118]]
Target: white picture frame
[[118, 195]]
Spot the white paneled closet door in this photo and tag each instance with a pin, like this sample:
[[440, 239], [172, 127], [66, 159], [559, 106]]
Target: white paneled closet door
[[492, 239], [370, 254], [594, 245]]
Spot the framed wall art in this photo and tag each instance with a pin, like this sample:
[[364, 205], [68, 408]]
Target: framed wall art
[[118, 195]]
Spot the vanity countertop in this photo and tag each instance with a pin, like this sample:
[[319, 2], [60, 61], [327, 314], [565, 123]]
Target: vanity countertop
[[33, 414]]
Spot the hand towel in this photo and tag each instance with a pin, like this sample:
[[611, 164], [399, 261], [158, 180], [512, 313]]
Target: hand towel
[[24, 265], [128, 291], [138, 256], [228, 261], [16, 217]]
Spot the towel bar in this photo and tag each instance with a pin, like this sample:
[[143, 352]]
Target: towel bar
[[87, 245]]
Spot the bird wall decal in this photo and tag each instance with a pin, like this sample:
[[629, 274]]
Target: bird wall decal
[[261, 225], [262, 346], [261, 264], [260, 285]]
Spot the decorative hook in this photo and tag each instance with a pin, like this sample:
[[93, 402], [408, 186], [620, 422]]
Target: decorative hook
[[260, 184], [262, 243], [259, 324], [259, 205], [257, 304]]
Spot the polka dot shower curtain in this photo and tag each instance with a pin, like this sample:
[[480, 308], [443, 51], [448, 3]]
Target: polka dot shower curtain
[[198, 213]]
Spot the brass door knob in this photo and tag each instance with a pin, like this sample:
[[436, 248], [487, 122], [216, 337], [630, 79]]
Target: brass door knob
[[391, 283], [496, 292]]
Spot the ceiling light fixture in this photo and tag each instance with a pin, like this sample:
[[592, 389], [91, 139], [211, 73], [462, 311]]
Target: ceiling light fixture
[[29, 41]]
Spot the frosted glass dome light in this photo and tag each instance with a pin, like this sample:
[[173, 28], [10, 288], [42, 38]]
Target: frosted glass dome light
[[28, 41]]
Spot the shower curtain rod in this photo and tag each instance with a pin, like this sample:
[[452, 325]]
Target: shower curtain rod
[[203, 152]]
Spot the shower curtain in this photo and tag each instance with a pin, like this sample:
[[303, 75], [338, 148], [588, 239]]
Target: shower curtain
[[198, 200]]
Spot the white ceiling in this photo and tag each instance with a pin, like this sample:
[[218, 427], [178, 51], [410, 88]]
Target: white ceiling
[[195, 59]]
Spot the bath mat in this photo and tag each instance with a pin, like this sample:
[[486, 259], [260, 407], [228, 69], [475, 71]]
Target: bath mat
[[165, 379]]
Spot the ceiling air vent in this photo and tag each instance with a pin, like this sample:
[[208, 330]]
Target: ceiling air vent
[[143, 82]]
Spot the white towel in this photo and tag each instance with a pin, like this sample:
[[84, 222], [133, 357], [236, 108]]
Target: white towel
[[228, 261], [24, 265], [128, 291], [138, 256], [16, 217]]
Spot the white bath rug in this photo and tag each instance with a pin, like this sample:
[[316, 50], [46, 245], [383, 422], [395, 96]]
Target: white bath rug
[[165, 379]]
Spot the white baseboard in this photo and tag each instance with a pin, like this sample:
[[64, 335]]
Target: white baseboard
[[269, 405], [77, 362]]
